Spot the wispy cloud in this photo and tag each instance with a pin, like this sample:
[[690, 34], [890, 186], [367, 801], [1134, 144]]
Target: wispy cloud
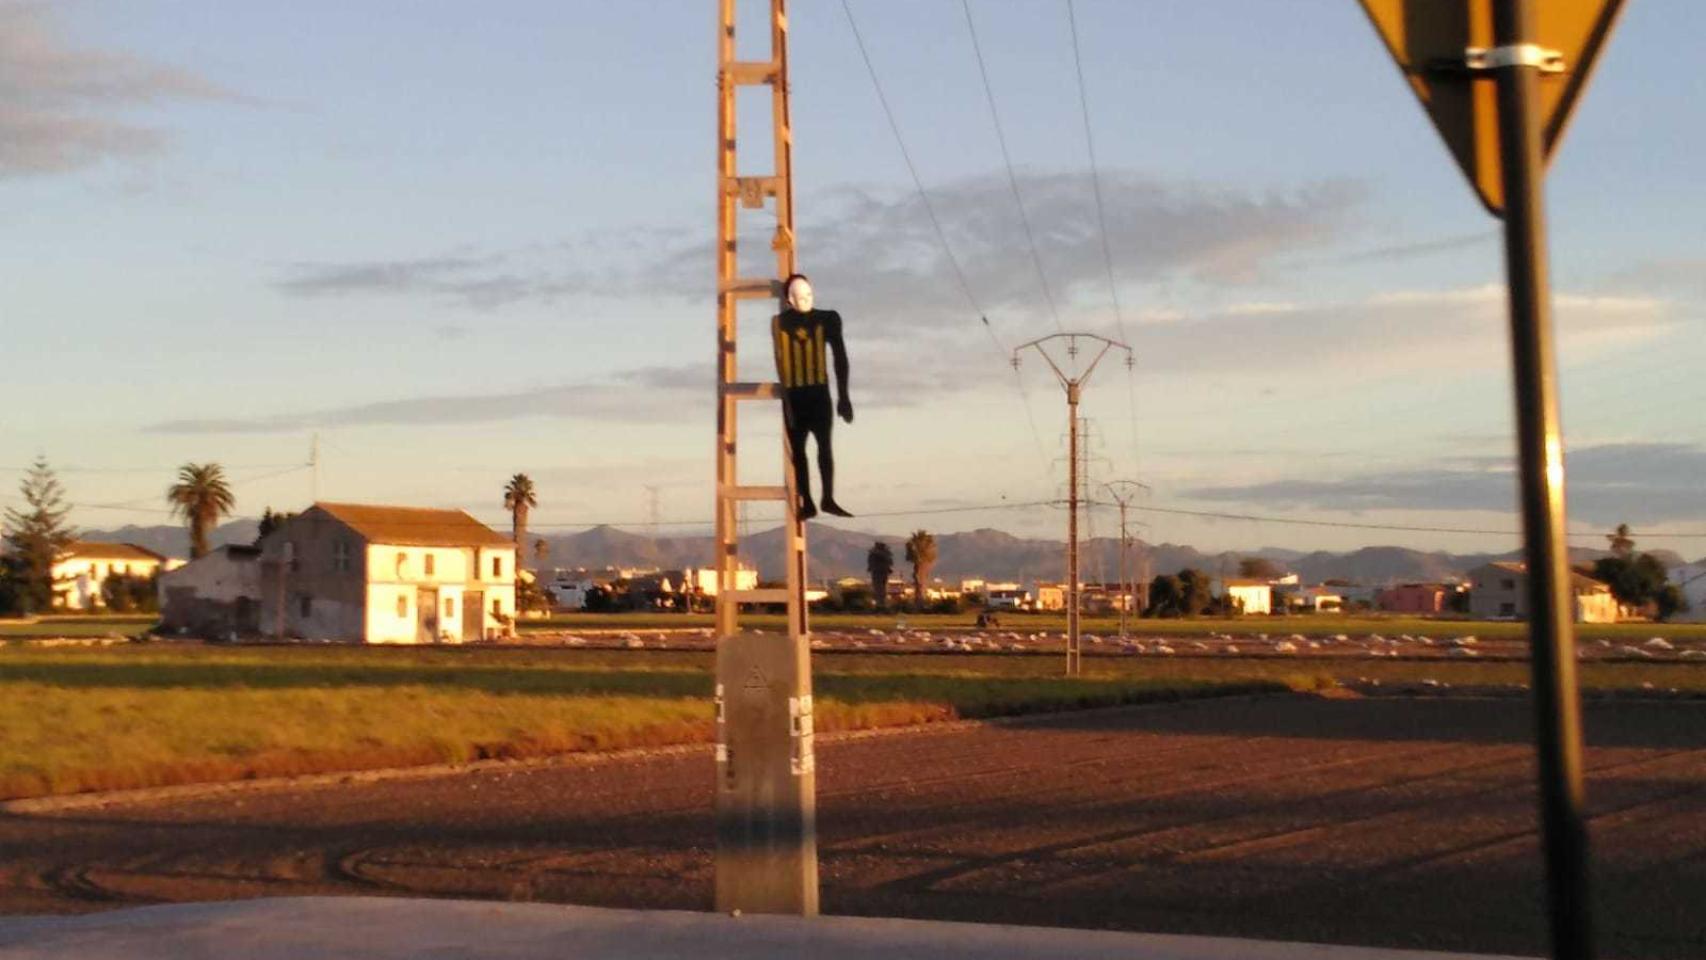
[[61, 106], [1606, 484], [878, 245], [882, 380]]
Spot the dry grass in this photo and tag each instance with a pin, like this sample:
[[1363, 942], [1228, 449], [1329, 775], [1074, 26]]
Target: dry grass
[[93, 719]]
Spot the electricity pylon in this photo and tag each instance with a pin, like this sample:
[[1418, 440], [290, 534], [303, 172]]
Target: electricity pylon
[[1074, 384], [1123, 492]]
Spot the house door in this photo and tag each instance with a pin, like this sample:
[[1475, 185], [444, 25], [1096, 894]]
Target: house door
[[473, 614], [426, 612]]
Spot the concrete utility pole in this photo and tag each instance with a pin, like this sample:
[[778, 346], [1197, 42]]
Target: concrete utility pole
[[1074, 384], [766, 780], [1123, 492]]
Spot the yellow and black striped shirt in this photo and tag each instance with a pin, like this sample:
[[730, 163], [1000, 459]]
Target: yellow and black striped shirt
[[800, 340]]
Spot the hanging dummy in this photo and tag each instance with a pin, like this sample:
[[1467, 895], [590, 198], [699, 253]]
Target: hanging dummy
[[801, 335]]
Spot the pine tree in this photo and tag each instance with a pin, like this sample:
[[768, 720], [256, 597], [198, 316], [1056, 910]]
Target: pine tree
[[35, 538]]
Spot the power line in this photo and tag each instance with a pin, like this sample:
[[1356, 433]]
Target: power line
[[917, 181], [936, 222], [1102, 220], [1007, 159]]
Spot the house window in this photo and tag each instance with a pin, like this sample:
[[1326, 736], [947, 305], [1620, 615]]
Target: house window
[[290, 556], [497, 607], [402, 562], [429, 564], [340, 556], [402, 605], [449, 607], [1507, 584], [497, 566], [1507, 609], [305, 606]]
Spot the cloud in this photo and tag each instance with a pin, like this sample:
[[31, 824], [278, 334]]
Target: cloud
[[1682, 276], [1606, 483], [59, 105], [877, 246], [645, 395], [1421, 332]]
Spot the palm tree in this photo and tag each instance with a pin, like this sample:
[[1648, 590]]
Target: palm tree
[[880, 563], [921, 553], [201, 496], [518, 499], [1622, 544]]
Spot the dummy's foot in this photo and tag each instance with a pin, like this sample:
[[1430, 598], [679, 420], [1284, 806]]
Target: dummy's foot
[[830, 506], [807, 510]]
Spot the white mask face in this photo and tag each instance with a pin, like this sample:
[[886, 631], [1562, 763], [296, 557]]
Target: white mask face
[[800, 295]]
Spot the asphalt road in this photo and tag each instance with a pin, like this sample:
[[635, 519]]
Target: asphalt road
[[1387, 822]]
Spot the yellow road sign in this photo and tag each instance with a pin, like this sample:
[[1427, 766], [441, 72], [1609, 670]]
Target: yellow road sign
[[1445, 47]]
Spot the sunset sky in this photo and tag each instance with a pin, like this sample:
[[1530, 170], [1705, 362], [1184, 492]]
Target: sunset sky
[[464, 240]]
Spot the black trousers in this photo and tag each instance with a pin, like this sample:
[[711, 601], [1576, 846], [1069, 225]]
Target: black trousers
[[807, 411]]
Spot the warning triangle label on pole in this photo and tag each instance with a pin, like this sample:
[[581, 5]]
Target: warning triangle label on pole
[[1434, 43]]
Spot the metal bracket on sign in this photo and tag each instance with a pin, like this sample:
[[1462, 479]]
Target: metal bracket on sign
[[1484, 59]]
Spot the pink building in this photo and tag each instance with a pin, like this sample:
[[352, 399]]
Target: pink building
[[1422, 598]]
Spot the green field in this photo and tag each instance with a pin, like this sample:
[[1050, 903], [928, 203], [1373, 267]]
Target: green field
[[79, 719]]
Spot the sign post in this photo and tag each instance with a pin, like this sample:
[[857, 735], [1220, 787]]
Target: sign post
[[1499, 78]]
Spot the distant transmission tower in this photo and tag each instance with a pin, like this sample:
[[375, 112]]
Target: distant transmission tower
[[1123, 492], [1067, 344]]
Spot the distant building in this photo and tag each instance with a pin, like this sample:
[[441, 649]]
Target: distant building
[[80, 574], [1006, 596], [1051, 596], [1250, 597], [1499, 590], [383, 574], [1423, 599], [216, 596], [1316, 599]]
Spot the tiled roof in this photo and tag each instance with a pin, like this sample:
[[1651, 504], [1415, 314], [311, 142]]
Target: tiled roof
[[89, 550], [415, 526]]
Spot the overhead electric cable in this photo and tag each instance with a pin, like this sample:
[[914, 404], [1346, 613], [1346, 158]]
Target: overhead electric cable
[[1007, 159], [936, 222], [1102, 221]]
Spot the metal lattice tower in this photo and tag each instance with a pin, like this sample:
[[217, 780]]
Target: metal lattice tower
[[1073, 382], [751, 192]]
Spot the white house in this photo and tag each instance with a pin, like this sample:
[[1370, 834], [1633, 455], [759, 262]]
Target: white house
[[380, 574], [1500, 590], [1250, 596], [80, 574]]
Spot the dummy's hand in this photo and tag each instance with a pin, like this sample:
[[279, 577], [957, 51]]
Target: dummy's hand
[[845, 408]]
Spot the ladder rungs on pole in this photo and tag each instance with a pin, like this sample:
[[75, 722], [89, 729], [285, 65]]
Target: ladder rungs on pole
[[743, 288], [761, 595], [752, 391], [738, 492], [753, 71]]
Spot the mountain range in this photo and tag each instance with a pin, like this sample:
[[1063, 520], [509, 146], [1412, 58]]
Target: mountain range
[[986, 553]]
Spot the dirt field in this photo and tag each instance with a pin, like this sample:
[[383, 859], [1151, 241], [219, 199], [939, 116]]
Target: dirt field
[[1384, 821]]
